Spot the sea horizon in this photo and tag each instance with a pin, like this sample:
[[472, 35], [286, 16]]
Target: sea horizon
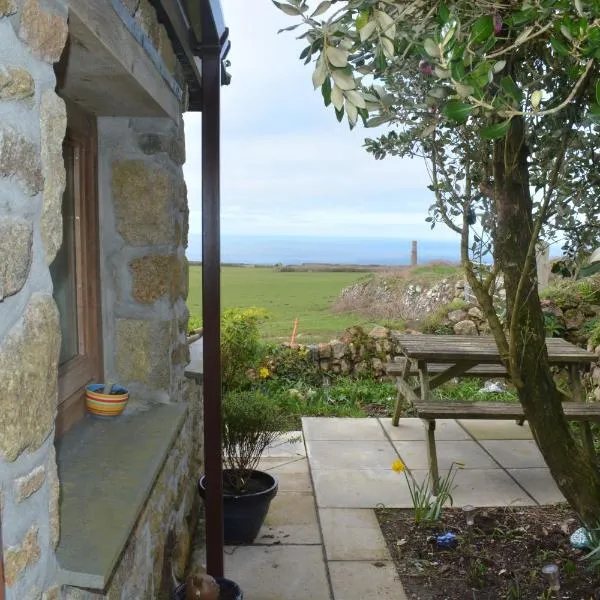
[[296, 250]]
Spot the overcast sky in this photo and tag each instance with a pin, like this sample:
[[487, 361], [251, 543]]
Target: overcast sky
[[288, 166]]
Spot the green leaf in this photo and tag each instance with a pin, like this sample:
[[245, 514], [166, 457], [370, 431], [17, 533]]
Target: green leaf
[[380, 61], [376, 121], [443, 14], [594, 113], [598, 91], [343, 80], [511, 88], [457, 68], [339, 114], [495, 131], [431, 48], [290, 28], [323, 7], [362, 19], [288, 9], [498, 66], [336, 56], [356, 98], [326, 91], [305, 53], [482, 29], [464, 91], [366, 31], [521, 17], [457, 111]]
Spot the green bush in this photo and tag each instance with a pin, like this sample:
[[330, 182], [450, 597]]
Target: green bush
[[554, 326], [594, 331], [194, 323], [240, 345], [292, 365], [252, 420]]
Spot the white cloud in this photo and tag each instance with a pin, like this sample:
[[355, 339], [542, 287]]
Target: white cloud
[[287, 166]]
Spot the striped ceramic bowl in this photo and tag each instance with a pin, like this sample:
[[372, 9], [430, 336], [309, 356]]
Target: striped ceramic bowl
[[105, 405]]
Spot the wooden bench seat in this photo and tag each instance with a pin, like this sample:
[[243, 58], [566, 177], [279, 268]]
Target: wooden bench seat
[[574, 411], [430, 411], [396, 369]]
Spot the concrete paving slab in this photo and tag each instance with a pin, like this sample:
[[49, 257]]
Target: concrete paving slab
[[488, 487], [278, 572], [351, 455], [414, 454], [292, 519], [411, 428], [515, 454], [539, 483], [336, 429], [352, 534], [365, 488], [292, 473], [290, 444], [490, 429], [353, 580]]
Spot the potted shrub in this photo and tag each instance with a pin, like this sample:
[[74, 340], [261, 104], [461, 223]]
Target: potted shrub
[[251, 422]]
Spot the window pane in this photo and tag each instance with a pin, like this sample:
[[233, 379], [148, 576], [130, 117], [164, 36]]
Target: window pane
[[64, 268]]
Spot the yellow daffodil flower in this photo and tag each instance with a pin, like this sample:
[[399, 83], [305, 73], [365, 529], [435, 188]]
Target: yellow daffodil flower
[[398, 466]]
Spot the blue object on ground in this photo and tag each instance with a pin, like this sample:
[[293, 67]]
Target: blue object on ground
[[446, 540]]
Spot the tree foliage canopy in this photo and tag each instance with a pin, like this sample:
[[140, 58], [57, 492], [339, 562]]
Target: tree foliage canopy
[[453, 76]]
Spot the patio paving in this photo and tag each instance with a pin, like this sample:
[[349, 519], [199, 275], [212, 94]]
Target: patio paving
[[321, 538]]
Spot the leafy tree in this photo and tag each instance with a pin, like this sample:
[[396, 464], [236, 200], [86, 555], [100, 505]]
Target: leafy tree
[[502, 98]]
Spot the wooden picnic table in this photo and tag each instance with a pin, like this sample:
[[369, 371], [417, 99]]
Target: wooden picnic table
[[438, 358]]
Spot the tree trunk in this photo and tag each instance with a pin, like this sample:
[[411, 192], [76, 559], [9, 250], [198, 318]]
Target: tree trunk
[[575, 473]]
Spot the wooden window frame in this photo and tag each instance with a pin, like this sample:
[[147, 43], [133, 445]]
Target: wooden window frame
[[87, 366]]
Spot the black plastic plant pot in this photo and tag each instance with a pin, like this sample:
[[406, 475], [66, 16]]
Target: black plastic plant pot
[[244, 514], [228, 590]]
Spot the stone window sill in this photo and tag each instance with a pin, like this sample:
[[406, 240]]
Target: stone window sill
[[196, 367], [107, 470]]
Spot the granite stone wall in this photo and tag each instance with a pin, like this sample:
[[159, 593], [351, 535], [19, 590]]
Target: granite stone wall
[[32, 178], [144, 273], [144, 281]]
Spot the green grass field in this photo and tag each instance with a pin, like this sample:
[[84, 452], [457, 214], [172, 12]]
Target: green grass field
[[307, 296]]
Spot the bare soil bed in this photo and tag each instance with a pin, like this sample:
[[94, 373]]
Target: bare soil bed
[[501, 558]]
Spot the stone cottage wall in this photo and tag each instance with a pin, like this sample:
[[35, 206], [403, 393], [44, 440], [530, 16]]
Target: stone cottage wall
[[143, 229], [144, 278], [32, 178]]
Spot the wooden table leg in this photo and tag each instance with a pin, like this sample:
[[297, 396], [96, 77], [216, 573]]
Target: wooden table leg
[[432, 456], [405, 392], [577, 393], [575, 383], [398, 407], [424, 377]]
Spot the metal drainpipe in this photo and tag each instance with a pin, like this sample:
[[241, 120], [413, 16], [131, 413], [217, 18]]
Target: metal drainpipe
[[211, 302]]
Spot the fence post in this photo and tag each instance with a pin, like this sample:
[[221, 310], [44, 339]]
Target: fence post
[[542, 258]]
